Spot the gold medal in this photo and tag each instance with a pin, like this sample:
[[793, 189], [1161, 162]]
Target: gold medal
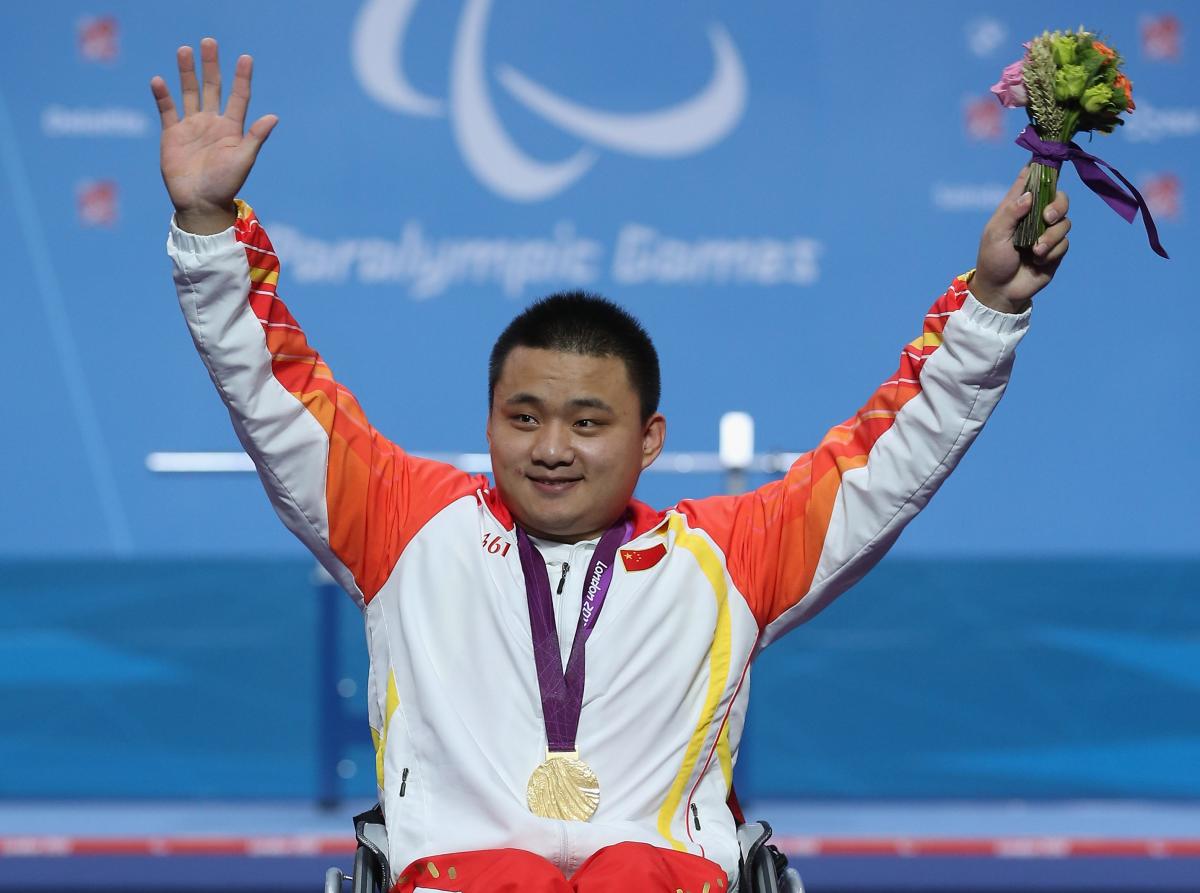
[[563, 787]]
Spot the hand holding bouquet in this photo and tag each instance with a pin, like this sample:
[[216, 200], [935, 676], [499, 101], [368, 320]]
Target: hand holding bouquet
[[1069, 83]]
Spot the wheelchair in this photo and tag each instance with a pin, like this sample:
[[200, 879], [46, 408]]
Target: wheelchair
[[762, 868]]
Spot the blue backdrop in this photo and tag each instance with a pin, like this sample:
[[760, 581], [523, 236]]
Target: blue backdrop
[[851, 157], [778, 191], [1002, 678]]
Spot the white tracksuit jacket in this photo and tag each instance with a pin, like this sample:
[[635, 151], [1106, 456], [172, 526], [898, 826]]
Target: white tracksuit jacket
[[430, 555]]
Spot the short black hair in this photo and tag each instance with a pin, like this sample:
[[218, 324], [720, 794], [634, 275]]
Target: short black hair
[[583, 323]]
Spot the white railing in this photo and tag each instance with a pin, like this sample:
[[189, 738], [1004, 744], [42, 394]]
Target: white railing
[[735, 457]]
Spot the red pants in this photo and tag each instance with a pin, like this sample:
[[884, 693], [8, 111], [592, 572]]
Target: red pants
[[624, 867]]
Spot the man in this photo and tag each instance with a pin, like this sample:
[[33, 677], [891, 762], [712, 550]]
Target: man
[[505, 759]]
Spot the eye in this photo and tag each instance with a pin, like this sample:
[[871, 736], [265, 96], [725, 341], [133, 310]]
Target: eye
[[523, 419], [587, 423]]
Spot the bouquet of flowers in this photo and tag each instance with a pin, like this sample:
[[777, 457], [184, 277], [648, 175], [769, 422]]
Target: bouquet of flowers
[[1069, 82]]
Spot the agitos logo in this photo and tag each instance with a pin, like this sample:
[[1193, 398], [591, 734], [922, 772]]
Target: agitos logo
[[96, 202], [983, 118], [1164, 195], [490, 153], [98, 39], [1160, 37]]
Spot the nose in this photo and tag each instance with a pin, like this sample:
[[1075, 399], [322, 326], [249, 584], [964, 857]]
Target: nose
[[552, 446]]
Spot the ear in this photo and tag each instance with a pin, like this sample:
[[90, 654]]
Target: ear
[[654, 435]]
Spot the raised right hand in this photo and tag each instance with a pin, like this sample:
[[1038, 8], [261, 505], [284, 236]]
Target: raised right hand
[[205, 156]]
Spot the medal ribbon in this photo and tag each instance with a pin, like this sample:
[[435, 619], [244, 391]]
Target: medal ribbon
[[562, 693]]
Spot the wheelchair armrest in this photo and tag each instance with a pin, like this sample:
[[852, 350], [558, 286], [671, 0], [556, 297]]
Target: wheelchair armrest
[[371, 832], [763, 869], [369, 876], [758, 871]]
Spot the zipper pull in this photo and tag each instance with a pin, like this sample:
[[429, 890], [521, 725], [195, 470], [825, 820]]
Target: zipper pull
[[563, 579], [696, 816], [404, 783]]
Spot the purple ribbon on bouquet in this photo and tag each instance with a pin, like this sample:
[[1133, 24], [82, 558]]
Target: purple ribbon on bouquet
[[1088, 167]]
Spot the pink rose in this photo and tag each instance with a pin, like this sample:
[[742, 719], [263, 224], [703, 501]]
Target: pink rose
[[1010, 89]]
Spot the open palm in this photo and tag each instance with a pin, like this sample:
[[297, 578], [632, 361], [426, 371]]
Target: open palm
[[205, 155]]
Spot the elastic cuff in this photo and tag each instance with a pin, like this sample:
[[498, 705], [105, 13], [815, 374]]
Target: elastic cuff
[[197, 244], [995, 320]]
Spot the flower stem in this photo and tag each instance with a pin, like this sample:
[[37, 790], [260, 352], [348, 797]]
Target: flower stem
[[1043, 183]]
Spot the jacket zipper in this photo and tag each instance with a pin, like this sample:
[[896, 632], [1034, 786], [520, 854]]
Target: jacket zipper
[[563, 579], [696, 816], [563, 854]]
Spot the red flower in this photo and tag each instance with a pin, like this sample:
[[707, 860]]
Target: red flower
[[1123, 83], [1103, 50]]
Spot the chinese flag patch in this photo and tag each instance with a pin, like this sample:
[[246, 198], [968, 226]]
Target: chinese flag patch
[[642, 559]]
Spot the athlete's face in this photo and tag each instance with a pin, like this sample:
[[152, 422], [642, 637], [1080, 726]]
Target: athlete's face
[[567, 441]]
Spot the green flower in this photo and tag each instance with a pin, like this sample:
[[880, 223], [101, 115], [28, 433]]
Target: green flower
[[1069, 82], [1096, 98], [1064, 49]]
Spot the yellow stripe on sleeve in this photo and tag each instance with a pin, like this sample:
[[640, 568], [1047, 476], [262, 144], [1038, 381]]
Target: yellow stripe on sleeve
[[261, 276], [926, 339]]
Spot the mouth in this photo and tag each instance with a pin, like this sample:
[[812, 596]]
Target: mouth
[[552, 485]]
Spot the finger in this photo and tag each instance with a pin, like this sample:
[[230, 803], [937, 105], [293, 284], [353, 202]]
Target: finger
[[189, 87], [1009, 214], [239, 96], [210, 69], [166, 105], [1019, 185], [1057, 209], [1051, 237], [1015, 205], [258, 133], [1051, 259]]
